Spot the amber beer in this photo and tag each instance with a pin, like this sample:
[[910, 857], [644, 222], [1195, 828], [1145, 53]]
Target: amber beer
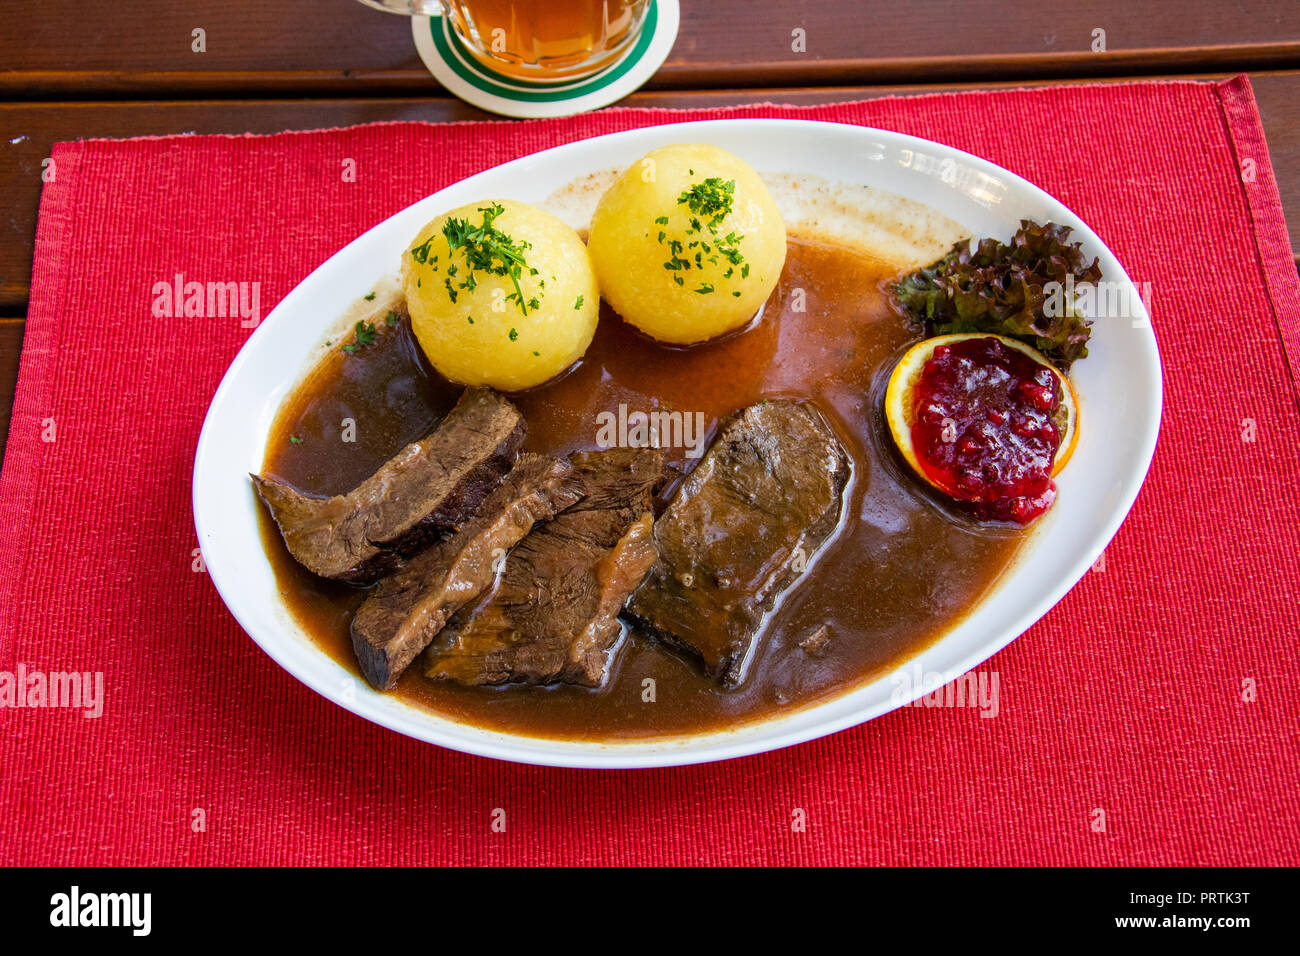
[[547, 40]]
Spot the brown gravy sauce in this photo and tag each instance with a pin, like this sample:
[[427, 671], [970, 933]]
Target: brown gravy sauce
[[902, 571]]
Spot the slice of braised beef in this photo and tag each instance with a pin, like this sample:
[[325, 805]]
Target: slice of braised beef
[[743, 526], [407, 609], [420, 494], [553, 616]]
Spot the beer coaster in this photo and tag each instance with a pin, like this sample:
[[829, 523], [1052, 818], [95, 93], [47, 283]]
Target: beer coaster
[[455, 68]]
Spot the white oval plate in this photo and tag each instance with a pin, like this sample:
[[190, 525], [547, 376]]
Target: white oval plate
[[1119, 384]]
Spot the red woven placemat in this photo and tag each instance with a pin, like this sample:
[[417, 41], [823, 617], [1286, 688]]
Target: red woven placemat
[[1161, 691]]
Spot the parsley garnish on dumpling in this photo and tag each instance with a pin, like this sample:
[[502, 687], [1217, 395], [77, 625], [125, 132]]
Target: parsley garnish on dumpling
[[510, 283]]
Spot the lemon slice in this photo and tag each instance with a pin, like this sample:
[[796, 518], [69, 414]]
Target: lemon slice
[[899, 401]]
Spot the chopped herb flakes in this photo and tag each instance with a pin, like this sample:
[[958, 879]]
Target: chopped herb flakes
[[577, 304], [366, 335], [391, 318], [370, 297], [709, 202], [486, 250], [514, 334], [712, 199], [421, 252], [295, 440]]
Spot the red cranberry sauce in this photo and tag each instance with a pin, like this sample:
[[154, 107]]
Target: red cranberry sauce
[[983, 428]]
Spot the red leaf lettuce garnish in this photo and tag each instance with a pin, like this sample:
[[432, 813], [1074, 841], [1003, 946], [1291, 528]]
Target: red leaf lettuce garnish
[[999, 288]]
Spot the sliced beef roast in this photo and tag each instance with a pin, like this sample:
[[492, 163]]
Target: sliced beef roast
[[742, 527], [427, 489], [408, 608], [553, 616]]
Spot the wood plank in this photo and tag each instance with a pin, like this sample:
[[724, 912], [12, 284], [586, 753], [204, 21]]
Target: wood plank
[[105, 49], [11, 345], [1278, 98], [31, 128]]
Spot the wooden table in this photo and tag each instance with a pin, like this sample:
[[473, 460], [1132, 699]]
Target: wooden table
[[127, 68]]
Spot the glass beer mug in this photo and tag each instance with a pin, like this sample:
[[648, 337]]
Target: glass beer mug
[[538, 40]]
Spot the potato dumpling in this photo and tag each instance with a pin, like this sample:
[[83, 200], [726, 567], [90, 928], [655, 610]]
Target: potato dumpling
[[688, 243], [501, 294]]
